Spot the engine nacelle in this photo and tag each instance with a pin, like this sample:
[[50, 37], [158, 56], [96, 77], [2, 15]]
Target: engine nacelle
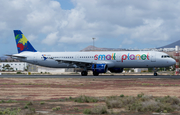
[[99, 68], [116, 70]]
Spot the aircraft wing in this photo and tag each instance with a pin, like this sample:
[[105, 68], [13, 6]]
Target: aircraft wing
[[73, 61], [77, 63]]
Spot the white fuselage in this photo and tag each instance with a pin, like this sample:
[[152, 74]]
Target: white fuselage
[[113, 59]]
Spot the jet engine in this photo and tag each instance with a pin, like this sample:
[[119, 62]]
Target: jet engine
[[116, 70], [99, 68]]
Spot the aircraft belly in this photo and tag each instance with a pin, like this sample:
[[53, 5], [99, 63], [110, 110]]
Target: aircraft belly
[[133, 64]]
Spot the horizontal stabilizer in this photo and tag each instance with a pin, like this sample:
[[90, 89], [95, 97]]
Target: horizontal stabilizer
[[16, 56]]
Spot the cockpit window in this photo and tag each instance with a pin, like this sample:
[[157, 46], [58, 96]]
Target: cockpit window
[[165, 56]]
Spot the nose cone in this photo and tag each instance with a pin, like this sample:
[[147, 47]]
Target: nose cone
[[172, 62]]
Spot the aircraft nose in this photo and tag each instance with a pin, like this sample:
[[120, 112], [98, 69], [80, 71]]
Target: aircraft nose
[[173, 61]]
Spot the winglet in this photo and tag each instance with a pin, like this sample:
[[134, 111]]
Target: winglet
[[22, 43]]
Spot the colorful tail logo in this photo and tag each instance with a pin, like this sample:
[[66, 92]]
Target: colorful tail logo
[[22, 43]]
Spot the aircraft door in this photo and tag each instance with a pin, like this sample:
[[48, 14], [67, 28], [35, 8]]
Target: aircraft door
[[34, 59], [118, 57], [77, 57], [153, 57]]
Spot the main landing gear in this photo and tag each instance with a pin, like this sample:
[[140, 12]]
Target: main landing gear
[[84, 73], [95, 73]]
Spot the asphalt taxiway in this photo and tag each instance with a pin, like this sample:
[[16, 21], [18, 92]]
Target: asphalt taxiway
[[90, 76]]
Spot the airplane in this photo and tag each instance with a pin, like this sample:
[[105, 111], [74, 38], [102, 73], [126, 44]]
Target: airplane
[[97, 62]]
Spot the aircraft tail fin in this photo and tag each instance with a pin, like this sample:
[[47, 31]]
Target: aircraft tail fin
[[22, 43]]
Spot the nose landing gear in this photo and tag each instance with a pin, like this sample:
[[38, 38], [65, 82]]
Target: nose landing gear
[[155, 71], [155, 74]]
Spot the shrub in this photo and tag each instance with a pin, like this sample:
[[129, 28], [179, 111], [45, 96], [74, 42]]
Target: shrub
[[2, 101], [140, 95], [114, 103], [134, 107], [167, 107], [169, 99], [101, 99], [70, 97], [165, 111], [150, 105], [9, 101], [156, 106], [56, 108], [19, 72], [76, 109], [30, 103], [10, 111], [144, 103], [32, 110], [41, 103], [121, 95], [96, 110], [129, 100], [85, 99], [87, 111], [113, 97], [99, 110], [146, 97], [118, 102], [25, 107]]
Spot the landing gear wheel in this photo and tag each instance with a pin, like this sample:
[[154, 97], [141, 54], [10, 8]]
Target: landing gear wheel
[[95, 73], [84, 73], [155, 74], [155, 71]]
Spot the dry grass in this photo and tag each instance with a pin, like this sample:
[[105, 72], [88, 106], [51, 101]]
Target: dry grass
[[48, 88]]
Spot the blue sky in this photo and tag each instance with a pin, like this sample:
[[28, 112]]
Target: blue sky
[[70, 25], [66, 4]]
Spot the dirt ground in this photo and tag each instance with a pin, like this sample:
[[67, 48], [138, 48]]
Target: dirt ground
[[51, 90]]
